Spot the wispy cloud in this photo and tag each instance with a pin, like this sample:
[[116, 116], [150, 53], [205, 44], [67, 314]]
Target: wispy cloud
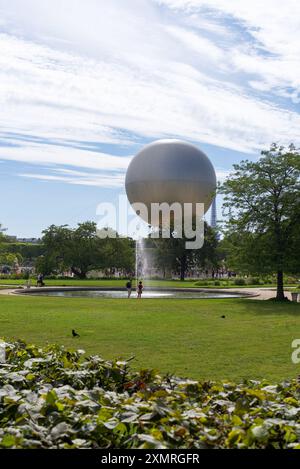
[[45, 154], [271, 49], [204, 48], [110, 180], [222, 174], [75, 75]]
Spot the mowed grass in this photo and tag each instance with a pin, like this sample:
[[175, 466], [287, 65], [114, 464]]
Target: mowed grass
[[185, 337], [100, 283], [121, 283]]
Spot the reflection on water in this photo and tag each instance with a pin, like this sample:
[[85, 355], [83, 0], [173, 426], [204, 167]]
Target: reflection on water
[[146, 294]]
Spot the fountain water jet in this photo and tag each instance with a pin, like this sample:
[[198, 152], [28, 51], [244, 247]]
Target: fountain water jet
[[141, 261]]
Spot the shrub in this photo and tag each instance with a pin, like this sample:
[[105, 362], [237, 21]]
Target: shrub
[[14, 276], [268, 280], [55, 398], [239, 281], [253, 281]]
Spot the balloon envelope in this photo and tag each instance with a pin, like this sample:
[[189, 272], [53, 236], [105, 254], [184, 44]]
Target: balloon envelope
[[170, 171]]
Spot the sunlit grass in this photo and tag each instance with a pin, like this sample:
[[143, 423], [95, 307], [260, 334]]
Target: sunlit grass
[[185, 337]]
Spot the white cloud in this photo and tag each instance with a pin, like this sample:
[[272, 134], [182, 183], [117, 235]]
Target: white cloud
[[56, 155], [275, 28], [77, 73], [202, 46], [70, 97], [109, 180], [222, 174], [85, 179]]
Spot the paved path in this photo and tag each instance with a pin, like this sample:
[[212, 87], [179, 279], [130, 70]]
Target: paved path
[[6, 291], [262, 293]]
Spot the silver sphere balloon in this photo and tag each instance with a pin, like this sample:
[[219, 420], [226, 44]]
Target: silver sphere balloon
[[170, 171]]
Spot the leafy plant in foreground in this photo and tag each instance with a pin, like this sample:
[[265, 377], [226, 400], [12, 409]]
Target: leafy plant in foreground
[[55, 398]]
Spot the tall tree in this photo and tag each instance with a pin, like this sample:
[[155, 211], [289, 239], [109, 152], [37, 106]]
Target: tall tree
[[262, 204], [75, 249], [118, 253], [172, 254], [2, 237], [82, 250]]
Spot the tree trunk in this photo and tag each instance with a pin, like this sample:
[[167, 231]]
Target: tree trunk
[[80, 274], [280, 245], [280, 291], [182, 268]]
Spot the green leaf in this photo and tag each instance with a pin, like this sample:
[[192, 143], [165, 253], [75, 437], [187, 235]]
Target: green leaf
[[8, 441], [260, 432]]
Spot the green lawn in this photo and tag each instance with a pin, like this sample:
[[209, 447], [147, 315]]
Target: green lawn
[[100, 283], [121, 283], [185, 337]]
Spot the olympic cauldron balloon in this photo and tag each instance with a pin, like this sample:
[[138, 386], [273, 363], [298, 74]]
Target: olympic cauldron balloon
[[170, 171]]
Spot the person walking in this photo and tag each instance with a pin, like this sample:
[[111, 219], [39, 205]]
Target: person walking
[[129, 288], [140, 289]]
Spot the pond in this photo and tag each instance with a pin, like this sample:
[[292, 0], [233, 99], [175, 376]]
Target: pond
[[101, 293]]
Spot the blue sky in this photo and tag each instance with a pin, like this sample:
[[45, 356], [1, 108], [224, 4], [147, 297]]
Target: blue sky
[[85, 84]]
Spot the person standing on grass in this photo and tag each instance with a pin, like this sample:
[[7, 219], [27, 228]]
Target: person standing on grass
[[129, 288], [140, 289], [40, 281]]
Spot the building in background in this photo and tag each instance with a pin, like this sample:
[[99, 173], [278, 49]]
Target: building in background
[[15, 239]]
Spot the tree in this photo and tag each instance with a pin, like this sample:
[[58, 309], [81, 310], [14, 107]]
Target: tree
[[46, 265], [262, 204], [172, 253], [2, 237], [82, 250], [85, 249], [29, 252], [75, 249], [10, 259], [118, 253], [58, 243]]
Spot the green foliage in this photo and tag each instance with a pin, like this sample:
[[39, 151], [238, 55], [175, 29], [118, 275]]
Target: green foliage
[[239, 281], [202, 283], [26, 250], [172, 255], [55, 398], [10, 259], [231, 282], [7, 257], [2, 237], [117, 253], [263, 208], [254, 281], [82, 250]]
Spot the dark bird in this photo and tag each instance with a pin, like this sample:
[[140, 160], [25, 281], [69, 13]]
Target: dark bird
[[74, 333], [223, 317]]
